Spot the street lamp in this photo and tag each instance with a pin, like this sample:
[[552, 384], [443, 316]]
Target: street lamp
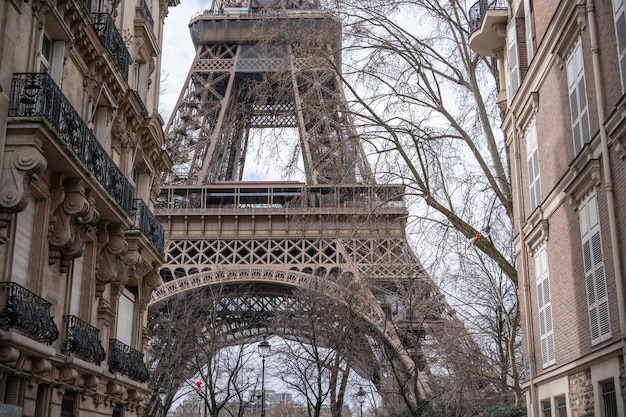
[[360, 397], [264, 351], [161, 393]]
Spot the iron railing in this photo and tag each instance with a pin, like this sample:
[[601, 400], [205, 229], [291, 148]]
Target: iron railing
[[146, 222], [146, 10], [144, 110], [477, 12], [82, 340], [29, 313], [111, 38], [37, 95], [127, 361]]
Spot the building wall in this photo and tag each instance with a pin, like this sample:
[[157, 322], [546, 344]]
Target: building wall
[[79, 246], [581, 368]]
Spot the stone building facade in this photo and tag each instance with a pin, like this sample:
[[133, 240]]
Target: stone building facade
[[562, 79], [81, 144]]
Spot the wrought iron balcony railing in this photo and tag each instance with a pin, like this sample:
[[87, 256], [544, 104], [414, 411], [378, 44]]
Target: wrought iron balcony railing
[[105, 27], [82, 340], [127, 361], [477, 12], [146, 10], [146, 222], [37, 95], [29, 313], [144, 110]]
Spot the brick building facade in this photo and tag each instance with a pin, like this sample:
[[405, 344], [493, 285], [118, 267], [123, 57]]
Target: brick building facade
[[562, 73]]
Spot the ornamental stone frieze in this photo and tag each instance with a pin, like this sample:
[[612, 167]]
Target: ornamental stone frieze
[[112, 246], [74, 214], [21, 165]]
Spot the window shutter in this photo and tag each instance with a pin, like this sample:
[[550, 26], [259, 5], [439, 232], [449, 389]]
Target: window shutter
[[528, 23], [534, 178], [578, 98], [544, 304], [619, 14], [595, 279], [512, 56]]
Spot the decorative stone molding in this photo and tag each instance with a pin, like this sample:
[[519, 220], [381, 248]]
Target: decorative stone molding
[[574, 24], [68, 374], [9, 354], [74, 215], [90, 381], [588, 178], [538, 235], [111, 248], [20, 167]]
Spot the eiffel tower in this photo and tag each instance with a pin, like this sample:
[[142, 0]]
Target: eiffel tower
[[266, 65]]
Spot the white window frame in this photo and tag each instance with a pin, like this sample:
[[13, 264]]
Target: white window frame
[[576, 87], [512, 57], [544, 306], [51, 61], [595, 273], [619, 18], [532, 159], [528, 23]]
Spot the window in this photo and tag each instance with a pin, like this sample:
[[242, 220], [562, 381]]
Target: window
[[578, 98], [67, 404], [142, 80], [561, 406], [545, 307], [609, 399], [532, 155], [546, 409], [78, 269], [593, 262], [512, 57], [51, 56], [125, 318], [22, 251], [619, 16], [528, 20]]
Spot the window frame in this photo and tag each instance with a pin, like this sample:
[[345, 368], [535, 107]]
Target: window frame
[[598, 306], [544, 308], [577, 94], [533, 166]]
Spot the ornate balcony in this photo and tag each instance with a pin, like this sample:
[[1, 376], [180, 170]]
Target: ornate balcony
[[82, 340], [146, 222], [487, 24], [127, 361], [111, 38], [37, 95], [144, 110], [29, 313], [146, 10]]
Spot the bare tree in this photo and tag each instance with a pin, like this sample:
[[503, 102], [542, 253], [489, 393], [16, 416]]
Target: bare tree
[[192, 351], [320, 356], [426, 107]]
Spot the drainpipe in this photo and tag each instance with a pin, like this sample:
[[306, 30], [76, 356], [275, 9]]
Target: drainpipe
[[523, 266], [606, 165]]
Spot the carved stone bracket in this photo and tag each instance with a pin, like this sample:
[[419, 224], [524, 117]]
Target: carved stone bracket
[[74, 216], [20, 167], [112, 246]]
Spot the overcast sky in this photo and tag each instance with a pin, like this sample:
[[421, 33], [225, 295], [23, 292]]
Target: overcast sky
[[178, 53]]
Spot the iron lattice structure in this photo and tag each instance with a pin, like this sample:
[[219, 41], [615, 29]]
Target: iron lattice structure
[[260, 66]]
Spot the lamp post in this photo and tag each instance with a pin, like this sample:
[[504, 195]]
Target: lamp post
[[162, 394], [264, 351], [360, 397]]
